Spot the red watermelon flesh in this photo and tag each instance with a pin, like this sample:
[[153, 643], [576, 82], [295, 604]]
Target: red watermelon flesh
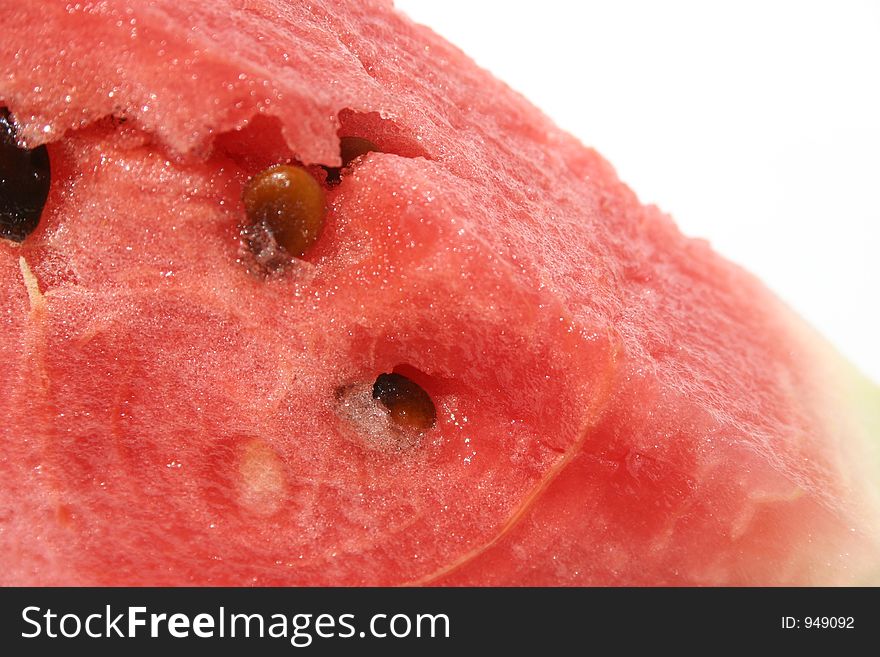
[[616, 404]]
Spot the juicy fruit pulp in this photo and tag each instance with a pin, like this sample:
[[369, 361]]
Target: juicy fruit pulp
[[612, 402]]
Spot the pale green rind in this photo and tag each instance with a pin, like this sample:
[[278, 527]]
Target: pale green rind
[[861, 398]]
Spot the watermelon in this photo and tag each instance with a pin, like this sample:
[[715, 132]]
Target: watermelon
[[470, 356]]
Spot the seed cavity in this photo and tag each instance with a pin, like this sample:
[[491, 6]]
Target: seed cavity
[[388, 416], [24, 183], [285, 208], [408, 404], [350, 148]]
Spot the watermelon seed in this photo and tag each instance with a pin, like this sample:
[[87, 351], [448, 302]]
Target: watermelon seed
[[408, 404], [285, 207], [24, 183], [261, 469], [350, 148]]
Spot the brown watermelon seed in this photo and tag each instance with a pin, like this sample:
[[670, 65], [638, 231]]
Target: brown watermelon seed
[[350, 148], [288, 202], [409, 405], [24, 183]]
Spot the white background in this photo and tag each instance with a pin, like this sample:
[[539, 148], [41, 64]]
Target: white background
[[755, 124]]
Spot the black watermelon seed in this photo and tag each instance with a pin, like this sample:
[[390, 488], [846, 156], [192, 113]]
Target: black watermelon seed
[[408, 403], [24, 183], [288, 202], [350, 148]]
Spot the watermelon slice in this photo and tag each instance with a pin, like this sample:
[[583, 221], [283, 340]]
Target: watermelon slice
[[482, 361]]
